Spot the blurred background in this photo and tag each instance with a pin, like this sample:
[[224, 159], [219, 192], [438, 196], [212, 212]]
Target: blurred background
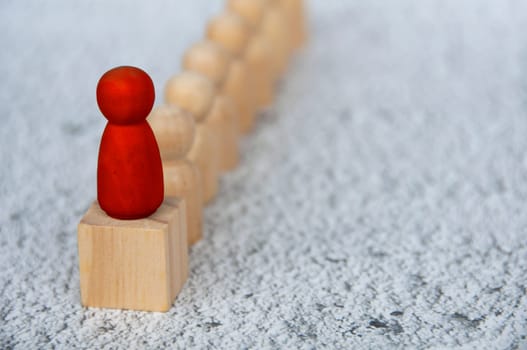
[[379, 203]]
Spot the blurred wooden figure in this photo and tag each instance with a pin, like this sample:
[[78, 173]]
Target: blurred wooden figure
[[268, 23], [195, 93], [212, 61], [296, 17], [232, 33], [277, 30], [174, 131]]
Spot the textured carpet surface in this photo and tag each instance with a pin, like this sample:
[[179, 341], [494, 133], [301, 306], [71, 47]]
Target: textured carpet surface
[[380, 203]]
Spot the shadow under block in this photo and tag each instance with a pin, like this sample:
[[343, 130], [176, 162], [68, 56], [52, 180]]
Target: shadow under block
[[133, 264]]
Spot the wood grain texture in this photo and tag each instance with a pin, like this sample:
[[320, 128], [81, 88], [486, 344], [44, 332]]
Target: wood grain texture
[[133, 264]]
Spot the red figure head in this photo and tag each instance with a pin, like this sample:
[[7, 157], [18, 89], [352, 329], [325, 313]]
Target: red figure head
[[129, 170], [125, 95]]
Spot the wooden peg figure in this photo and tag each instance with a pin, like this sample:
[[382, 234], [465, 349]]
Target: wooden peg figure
[[195, 93], [133, 251], [232, 33], [129, 172], [174, 130], [296, 17], [276, 29], [259, 51], [209, 59], [212, 61]]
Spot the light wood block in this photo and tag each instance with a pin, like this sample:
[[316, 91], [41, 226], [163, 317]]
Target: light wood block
[[133, 264]]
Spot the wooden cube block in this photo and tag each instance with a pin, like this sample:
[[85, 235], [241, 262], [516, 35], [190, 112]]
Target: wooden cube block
[[133, 264]]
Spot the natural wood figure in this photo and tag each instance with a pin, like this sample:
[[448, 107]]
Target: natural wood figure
[[174, 130], [232, 33], [296, 17], [212, 61], [140, 263], [259, 52], [277, 31], [195, 93]]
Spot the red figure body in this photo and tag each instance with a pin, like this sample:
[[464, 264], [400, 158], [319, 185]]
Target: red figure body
[[129, 171]]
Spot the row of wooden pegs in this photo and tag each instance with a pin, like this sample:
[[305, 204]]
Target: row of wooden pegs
[[227, 79]]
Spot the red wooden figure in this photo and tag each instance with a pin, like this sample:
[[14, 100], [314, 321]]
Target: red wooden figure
[[129, 172]]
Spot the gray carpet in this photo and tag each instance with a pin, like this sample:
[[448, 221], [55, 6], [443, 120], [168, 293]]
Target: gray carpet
[[380, 203]]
